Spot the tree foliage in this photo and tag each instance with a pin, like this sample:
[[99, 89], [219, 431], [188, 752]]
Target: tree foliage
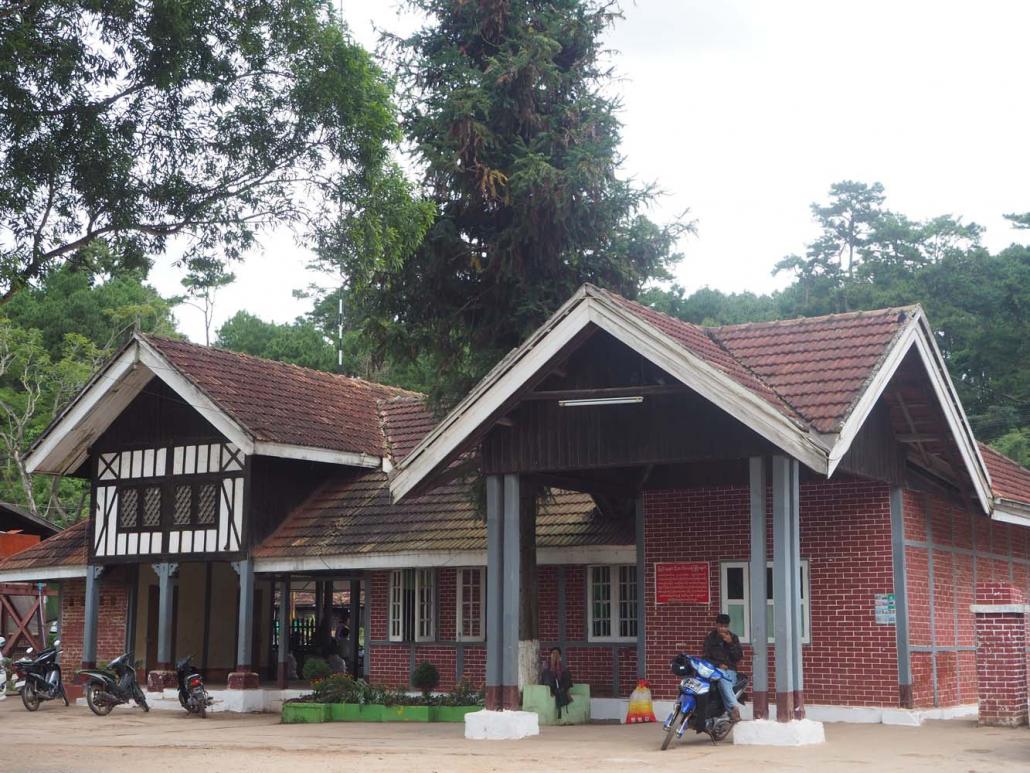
[[504, 106], [136, 122], [868, 257], [52, 338]]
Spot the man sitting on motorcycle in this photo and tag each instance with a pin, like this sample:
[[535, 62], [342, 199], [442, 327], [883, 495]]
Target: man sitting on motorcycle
[[722, 647]]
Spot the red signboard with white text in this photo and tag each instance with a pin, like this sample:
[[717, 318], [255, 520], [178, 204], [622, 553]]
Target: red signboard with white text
[[681, 583]]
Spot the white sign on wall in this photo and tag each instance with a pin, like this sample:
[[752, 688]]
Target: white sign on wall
[[884, 606]]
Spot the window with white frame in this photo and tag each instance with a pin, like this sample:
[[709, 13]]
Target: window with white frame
[[735, 587], [470, 604], [412, 605], [612, 608]]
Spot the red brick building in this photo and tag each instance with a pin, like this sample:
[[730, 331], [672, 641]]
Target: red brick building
[[641, 475]]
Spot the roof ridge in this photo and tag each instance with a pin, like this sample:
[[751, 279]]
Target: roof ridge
[[911, 307], [397, 391]]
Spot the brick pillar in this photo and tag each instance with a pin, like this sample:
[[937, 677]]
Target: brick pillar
[[1001, 661]]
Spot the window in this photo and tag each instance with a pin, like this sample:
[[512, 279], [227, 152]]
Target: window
[[139, 508], [470, 604], [736, 592], [412, 605], [612, 610]]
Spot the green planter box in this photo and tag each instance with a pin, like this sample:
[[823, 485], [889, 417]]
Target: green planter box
[[372, 712], [344, 712], [297, 713], [451, 713], [405, 713]]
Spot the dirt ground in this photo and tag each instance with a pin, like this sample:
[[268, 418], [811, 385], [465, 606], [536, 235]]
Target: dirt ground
[[71, 739]]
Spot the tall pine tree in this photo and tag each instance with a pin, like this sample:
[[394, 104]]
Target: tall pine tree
[[505, 105]]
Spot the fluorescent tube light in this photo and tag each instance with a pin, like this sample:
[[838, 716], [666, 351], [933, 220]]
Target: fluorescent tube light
[[601, 401]]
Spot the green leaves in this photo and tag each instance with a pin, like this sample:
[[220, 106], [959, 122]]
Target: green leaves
[[504, 106], [197, 120]]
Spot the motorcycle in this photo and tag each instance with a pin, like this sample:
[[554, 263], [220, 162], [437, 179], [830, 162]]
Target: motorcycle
[[113, 686], [39, 677], [700, 705], [4, 662], [192, 693]]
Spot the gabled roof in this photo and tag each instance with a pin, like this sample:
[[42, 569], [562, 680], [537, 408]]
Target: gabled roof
[[62, 555], [281, 403], [264, 407], [805, 385]]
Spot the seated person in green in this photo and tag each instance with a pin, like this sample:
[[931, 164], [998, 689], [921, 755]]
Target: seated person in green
[[558, 678]]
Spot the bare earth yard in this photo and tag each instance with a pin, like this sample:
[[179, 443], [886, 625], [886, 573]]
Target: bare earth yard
[[72, 739]]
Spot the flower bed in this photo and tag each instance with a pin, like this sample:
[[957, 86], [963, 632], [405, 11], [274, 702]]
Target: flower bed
[[339, 698]]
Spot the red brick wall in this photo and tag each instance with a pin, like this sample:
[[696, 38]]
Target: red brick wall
[[967, 548], [114, 600], [845, 536], [390, 663]]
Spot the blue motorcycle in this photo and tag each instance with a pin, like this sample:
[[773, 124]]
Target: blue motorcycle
[[700, 704]]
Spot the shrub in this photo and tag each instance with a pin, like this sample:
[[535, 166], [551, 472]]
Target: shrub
[[425, 678], [463, 694], [316, 668], [337, 688]]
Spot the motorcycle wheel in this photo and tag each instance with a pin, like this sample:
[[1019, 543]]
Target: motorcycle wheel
[[29, 696], [99, 707], [140, 698], [671, 731]]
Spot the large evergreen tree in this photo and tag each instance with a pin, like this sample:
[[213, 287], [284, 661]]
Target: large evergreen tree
[[505, 106]]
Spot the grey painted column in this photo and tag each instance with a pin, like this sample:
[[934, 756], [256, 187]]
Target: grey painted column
[[901, 599], [165, 573], [92, 611], [494, 588], [245, 637], [355, 624], [783, 625], [641, 592], [130, 612], [511, 596], [797, 665], [283, 674], [758, 591]]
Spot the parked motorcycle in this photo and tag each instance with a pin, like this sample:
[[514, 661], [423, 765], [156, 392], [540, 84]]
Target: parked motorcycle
[[4, 662], [110, 687], [700, 703], [192, 693], [38, 677]]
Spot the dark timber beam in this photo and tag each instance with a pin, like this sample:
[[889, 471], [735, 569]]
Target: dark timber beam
[[649, 390]]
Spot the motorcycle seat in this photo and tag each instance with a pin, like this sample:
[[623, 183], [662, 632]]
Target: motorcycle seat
[[742, 681]]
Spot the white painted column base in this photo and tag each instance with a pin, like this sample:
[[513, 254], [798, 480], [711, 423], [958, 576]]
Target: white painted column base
[[765, 732], [501, 725]]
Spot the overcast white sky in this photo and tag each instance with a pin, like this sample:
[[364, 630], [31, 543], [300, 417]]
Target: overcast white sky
[[745, 111]]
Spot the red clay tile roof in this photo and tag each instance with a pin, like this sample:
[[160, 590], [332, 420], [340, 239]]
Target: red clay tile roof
[[818, 365], [698, 341], [66, 548], [812, 369], [353, 515], [284, 403], [406, 420], [1008, 479]]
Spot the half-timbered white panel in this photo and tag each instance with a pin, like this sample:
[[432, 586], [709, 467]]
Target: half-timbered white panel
[[176, 499]]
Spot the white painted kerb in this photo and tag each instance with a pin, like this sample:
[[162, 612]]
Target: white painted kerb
[[501, 725], [766, 732]]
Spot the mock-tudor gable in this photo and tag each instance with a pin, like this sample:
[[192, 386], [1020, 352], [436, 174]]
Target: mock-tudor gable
[[263, 407]]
